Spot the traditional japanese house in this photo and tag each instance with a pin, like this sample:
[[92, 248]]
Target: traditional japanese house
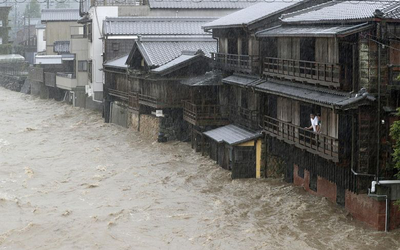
[[150, 58], [330, 60], [159, 65], [238, 60]]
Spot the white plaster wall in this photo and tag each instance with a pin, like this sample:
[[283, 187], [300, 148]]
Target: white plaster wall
[[41, 44], [95, 48]]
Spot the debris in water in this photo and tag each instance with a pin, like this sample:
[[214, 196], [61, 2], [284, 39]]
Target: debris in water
[[29, 172], [66, 213]]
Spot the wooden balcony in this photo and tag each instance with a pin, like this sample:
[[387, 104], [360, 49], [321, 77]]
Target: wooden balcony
[[237, 63], [204, 115], [158, 103], [306, 71], [320, 144], [133, 100], [244, 117], [122, 95]]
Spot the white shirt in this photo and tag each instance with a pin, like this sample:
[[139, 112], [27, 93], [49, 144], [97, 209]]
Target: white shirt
[[314, 123]]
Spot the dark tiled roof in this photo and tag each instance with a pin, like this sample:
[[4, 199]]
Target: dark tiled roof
[[159, 52], [183, 59], [154, 26], [232, 134], [208, 79], [250, 14], [355, 10], [200, 4], [312, 30], [312, 94], [118, 62], [49, 15]]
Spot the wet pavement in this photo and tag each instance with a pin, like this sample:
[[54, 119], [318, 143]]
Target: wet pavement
[[69, 181]]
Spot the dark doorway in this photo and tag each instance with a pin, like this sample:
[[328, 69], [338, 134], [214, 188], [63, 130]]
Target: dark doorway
[[232, 46], [244, 162]]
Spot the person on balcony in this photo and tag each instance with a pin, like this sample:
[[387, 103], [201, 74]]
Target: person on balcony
[[314, 123], [319, 123]]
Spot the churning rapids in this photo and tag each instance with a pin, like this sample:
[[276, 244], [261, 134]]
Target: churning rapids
[[69, 181]]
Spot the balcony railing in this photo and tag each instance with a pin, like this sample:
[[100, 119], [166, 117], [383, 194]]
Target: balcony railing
[[134, 100], [204, 115], [323, 145], [120, 94], [245, 117], [156, 102], [238, 63], [313, 72]]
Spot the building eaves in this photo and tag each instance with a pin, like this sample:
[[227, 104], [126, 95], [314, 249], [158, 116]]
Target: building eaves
[[57, 15], [315, 95], [154, 26], [313, 30], [232, 134], [184, 59], [160, 52], [250, 14], [119, 63], [341, 11], [211, 78], [200, 4]]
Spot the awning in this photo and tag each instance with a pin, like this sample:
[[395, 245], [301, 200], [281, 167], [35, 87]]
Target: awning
[[313, 30], [208, 79], [242, 80], [323, 97], [232, 134]]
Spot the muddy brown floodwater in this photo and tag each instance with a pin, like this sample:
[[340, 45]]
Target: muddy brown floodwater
[[69, 181]]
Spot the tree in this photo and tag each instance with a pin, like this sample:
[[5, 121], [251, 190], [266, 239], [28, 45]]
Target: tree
[[32, 9], [395, 134]]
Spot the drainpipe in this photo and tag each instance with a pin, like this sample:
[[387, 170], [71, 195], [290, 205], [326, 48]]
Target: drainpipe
[[387, 207], [384, 183], [379, 102]]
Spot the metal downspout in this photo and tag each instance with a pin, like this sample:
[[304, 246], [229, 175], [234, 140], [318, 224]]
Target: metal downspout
[[387, 207]]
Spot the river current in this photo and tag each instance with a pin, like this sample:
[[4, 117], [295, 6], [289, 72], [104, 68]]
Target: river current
[[70, 181]]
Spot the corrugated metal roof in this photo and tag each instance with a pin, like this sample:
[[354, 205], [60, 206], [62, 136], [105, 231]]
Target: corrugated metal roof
[[200, 4], [232, 134], [312, 30], [118, 63], [309, 93], [208, 79], [154, 26], [341, 10], [49, 15], [250, 14], [157, 53]]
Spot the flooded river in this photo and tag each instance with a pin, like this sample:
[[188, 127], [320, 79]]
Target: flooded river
[[69, 181]]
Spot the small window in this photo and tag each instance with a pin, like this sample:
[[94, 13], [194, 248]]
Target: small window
[[1, 23], [115, 46], [1, 40], [82, 66]]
